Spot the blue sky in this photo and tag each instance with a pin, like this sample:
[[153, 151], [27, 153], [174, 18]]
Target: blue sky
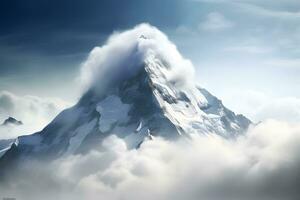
[[245, 51]]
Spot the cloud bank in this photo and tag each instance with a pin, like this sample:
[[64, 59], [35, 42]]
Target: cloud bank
[[260, 106], [263, 164], [34, 112]]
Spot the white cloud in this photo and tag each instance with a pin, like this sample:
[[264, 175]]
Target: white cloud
[[260, 106], [253, 49], [34, 112], [124, 53], [264, 164], [287, 108], [262, 8], [268, 12], [284, 63], [215, 22], [184, 30]]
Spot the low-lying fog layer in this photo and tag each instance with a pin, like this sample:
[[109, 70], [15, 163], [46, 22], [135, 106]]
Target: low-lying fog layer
[[263, 164]]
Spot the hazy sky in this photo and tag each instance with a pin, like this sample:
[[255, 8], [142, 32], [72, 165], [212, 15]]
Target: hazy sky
[[242, 49]]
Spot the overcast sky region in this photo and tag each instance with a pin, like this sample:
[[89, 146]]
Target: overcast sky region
[[240, 48]]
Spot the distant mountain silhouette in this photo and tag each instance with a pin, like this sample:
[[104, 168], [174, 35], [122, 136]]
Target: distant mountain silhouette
[[12, 121]]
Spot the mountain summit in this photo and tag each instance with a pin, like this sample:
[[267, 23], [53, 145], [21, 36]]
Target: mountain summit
[[11, 121], [138, 87]]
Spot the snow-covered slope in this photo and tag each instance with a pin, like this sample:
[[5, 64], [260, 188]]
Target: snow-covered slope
[[5, 145], [142, 91]]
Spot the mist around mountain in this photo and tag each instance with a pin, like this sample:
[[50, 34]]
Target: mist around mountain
[[143, 129], [34, 113]]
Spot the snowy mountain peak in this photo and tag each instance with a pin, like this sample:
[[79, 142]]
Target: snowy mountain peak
[[138, 87], [124, 54]]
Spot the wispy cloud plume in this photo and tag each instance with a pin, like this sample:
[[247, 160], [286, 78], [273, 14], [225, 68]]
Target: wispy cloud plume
[[215, 22], [124, 54]]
